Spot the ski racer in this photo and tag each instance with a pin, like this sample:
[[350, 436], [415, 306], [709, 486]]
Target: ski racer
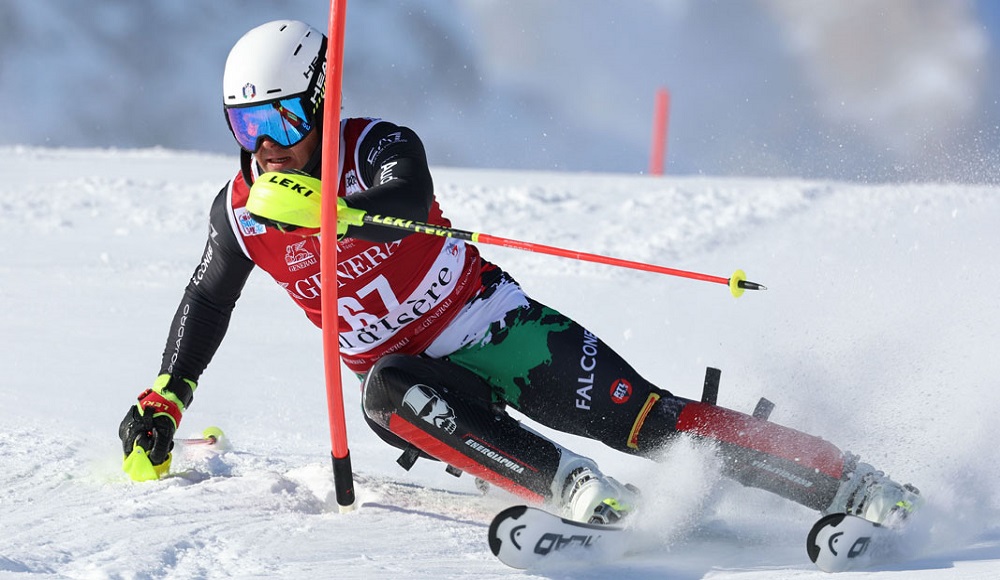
[[443, 340]]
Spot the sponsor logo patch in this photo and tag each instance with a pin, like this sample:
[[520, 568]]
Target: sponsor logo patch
[[621, 391], [384, 142], [498, 458], [297, 257], [429, 406], [351, 183], [248, 225], [588, 362]]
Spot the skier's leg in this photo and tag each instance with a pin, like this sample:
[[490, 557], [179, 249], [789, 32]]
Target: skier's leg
[[795, 465], [444, 411], [556, 372], [579, 385]]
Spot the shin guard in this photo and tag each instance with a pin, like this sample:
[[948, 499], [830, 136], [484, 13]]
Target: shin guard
[[758, 453]]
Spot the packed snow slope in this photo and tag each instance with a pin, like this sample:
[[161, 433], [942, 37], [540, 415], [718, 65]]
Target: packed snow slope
[[878, 331]]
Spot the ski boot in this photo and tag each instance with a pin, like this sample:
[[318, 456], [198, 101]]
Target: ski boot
[[591, 497], [870, 494]]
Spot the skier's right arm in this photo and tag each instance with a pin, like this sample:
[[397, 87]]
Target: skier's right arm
[[196, 332]]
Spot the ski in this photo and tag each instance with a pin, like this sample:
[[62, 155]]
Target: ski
[[840, 542], [527, 537]]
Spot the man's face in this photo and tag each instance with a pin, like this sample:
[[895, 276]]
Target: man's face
[[274, 157]]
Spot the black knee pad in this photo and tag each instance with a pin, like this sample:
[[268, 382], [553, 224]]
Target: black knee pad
[[389, 381]]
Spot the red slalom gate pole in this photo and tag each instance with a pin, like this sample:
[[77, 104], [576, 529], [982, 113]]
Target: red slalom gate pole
[[343, 476], [661, 116]]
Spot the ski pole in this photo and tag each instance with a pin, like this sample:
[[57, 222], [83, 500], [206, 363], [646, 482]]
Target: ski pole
[[210, 436], [737, 283]]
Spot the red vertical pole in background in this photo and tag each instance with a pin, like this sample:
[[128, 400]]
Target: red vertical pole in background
[[343, 476], [661, 116]]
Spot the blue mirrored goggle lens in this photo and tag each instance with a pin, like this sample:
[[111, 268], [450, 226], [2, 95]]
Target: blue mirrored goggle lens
[[283, 121]]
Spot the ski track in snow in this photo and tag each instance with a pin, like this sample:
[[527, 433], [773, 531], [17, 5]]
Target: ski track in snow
[[879, 332]]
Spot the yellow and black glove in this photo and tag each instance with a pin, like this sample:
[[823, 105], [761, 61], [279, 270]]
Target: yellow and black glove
[[147, 431]]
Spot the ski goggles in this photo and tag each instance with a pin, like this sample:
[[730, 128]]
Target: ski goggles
[[284, 121]]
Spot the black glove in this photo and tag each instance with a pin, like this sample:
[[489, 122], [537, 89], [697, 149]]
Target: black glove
[[147, 431]]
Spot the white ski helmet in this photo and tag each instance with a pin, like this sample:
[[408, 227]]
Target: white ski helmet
[[281, 64]]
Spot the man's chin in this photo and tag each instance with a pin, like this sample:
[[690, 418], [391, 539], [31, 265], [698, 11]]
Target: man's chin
[[278, 166]]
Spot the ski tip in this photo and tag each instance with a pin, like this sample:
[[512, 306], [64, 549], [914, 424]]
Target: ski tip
[[842, 542], [512, 513], [812, 545]]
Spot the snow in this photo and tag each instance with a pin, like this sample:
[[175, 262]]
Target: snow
[[879, 332]]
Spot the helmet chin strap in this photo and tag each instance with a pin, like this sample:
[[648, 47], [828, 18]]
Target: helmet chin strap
[[246, 158], [313, 166]]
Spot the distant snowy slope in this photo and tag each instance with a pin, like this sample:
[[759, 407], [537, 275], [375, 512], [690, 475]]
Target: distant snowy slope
[[878, 331]]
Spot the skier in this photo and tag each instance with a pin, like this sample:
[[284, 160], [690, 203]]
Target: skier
[[444, 340]]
